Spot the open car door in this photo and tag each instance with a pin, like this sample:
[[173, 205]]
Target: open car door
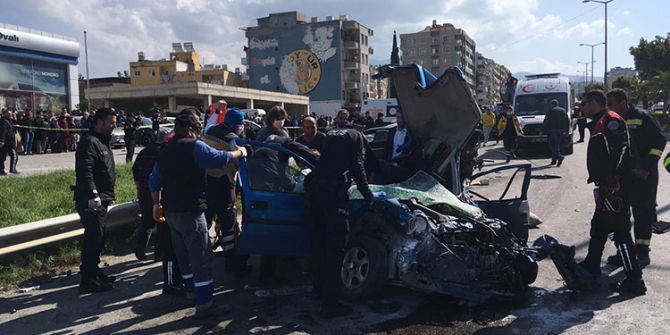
[[503, 193], [274, 204]]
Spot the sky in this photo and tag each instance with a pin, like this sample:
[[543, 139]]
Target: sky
[[536, 36]]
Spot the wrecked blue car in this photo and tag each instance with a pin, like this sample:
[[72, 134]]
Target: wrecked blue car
[[427, 232]]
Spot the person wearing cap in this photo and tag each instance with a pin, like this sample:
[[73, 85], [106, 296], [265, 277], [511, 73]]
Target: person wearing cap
[[93, 194], [163, 250], [178, 184], [342, 158], [221, 189]]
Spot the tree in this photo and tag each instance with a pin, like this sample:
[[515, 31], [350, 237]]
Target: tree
[[652, 56]]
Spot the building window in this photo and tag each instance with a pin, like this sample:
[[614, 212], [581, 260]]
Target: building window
[[436, 40], [436, 61], [152, 72], [136, 73], [445, 39], [435, 50]]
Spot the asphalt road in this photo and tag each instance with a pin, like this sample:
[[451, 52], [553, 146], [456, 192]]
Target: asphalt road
[[559, 196], [41, 164]]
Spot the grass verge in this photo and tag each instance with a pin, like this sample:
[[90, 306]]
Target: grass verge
[[33, 198]]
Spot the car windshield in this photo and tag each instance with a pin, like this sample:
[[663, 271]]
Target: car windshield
[[538, 104], [426, 190]]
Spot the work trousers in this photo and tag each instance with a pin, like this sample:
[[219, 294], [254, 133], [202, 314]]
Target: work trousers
[[604, 223], [171, 273], [487, 132], [221, 204], [93, 242], [41, 145], [147, 222], [193, 249], [581, 125], [8, 150], [555, 137], [130, 149], [644, 206], [330, 227]]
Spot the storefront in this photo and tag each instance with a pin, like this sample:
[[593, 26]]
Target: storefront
[[38, 71]]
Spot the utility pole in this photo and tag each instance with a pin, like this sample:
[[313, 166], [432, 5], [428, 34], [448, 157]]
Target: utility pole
[[604, 3], [592, 61], [586, 71], [88, 78]]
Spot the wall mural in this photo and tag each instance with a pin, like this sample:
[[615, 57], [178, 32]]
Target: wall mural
[[300, 71]]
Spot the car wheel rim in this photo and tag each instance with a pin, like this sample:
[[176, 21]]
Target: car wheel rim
[[355, 268]]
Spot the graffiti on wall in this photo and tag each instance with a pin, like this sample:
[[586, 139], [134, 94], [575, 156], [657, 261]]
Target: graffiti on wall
[[300, 71], [320, 42], [269, 61], [265, 79], [263, 44]]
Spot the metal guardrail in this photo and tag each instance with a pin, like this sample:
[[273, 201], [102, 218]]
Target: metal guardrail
[[38, 233]]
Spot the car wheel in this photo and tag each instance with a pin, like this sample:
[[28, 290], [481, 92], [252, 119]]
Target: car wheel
[[146, 140], [364, 268]]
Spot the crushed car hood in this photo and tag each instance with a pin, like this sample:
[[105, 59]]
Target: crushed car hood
[[440, 112], [426, 190]]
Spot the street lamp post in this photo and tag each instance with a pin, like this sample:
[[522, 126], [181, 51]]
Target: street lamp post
[[592, 61], [586, 71], [604, 3], [88, 84]]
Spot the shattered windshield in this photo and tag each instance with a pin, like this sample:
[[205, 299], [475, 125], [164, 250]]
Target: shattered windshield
[[426, 190], [538, 104]]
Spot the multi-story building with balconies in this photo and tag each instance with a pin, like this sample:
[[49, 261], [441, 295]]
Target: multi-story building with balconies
[[326, 60], [439, 47]]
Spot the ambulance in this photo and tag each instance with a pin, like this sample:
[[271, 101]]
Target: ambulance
[[531, 103]]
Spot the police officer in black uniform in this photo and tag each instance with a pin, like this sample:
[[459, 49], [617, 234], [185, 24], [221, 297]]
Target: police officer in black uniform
[[647, 145], [342, 158], [7, 144], [129, 132], [608, 161], [93, 194]]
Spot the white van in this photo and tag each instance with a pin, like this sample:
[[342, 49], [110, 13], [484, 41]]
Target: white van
[[251, 112], [385, 107], [532, 102]]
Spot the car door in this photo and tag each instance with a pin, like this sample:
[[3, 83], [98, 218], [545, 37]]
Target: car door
[[503, 193], [274, 210]]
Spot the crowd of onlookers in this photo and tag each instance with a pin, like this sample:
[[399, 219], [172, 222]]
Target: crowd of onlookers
[[41, 132]]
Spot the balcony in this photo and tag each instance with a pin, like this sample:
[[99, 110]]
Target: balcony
[[352, 65], [351, 85], [351, 45], [371, 51], [244, 60]]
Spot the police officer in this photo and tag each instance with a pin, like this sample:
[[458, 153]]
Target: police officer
[[647, 145], [144, 163], [342, 157], [178, 182], [221, 189], [93, 194], [129, 131], [609, 166]]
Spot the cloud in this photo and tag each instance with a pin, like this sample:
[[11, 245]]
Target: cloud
[[625, 31], [584, 29], [625, 12], [543, 65]]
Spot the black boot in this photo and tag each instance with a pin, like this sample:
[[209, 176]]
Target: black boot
[[93, 285], [628, 285], [615, 260], [101, 276], [643, 256]]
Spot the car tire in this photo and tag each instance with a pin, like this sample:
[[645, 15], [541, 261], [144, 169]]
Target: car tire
[[364, 268], [146, 140]]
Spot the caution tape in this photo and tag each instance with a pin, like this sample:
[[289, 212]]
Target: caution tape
[[51, 129]]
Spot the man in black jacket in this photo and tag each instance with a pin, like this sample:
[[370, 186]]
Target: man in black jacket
[[93, 194], [342, 155], [7, 144], [647, 144], [608, 162], [129, 134], [556, 125]]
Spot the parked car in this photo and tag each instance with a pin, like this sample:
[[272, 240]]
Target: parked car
[[420, 234], [117, 140]]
